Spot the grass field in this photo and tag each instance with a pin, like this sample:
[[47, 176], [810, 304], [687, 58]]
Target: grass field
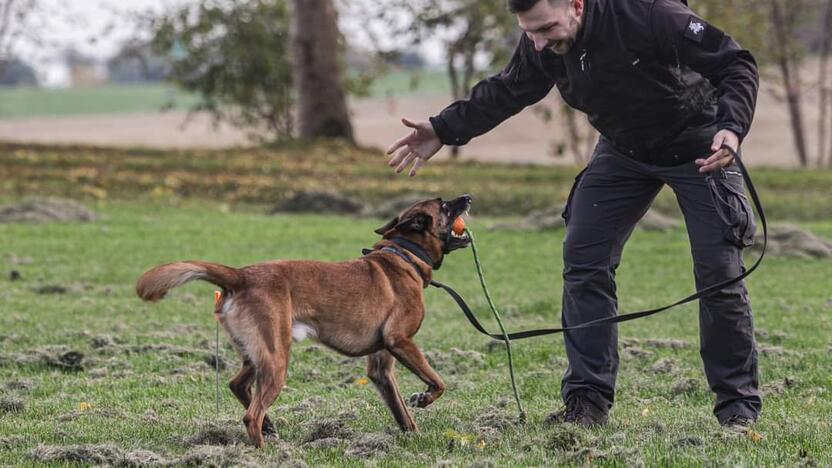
[[240, 177], [144, 389], [16, 103], [111, 99]]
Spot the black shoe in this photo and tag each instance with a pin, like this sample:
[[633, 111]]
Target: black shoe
[[737, 422], [579, 410]]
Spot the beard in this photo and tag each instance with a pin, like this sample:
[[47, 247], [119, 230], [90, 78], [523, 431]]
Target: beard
[[561, 47]]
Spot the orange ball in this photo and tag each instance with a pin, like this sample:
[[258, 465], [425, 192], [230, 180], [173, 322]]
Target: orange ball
[[459, 226]]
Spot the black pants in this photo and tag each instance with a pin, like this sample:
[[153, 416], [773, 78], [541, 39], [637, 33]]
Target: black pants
[[608, 199]]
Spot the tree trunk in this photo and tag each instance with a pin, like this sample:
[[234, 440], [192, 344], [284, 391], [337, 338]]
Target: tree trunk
[[826, 29], [791, 78], [322, 106]]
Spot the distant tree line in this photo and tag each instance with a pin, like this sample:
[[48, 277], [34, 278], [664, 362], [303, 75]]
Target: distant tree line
[[279, 66]]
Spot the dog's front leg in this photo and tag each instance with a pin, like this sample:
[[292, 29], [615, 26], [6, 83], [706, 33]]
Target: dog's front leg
[[380, 370], [406, 351]]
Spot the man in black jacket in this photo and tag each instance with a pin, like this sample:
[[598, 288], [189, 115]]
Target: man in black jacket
[[666, 90]]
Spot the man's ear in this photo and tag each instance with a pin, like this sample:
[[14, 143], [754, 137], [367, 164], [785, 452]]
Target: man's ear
[[417, 222], [390, 225]]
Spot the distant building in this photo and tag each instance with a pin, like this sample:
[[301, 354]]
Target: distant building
[[84, 70], [410, 60], [16, 72], [136, 63]]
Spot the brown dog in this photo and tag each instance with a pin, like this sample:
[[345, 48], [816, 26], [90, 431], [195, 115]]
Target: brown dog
[[371, 306]]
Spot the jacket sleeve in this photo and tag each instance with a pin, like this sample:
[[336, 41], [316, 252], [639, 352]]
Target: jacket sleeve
[[494, 99], [684, 38]]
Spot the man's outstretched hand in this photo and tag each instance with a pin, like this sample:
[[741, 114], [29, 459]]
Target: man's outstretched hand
[[417, 147], [721, 157]]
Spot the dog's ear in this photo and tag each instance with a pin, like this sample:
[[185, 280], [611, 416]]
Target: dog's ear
[[390, 225], [417, 222]]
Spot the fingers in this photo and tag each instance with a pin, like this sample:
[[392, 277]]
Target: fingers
[[410, 123], [719, 139], [404, 150], [416, 166], [718, 160], [405, 139], [721, 157], [400, 154], [399, 143], [725, 138], [407, 159]]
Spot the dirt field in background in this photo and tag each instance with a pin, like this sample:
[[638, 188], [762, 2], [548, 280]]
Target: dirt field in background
[[524, 139]]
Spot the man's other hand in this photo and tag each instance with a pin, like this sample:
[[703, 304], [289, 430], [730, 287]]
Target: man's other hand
[[721, 157], [419, 146]]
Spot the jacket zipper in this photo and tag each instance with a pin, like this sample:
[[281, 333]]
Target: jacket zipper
[[586, 66]]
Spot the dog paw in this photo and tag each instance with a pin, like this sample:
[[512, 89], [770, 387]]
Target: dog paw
[[420, 400], [268, 429]]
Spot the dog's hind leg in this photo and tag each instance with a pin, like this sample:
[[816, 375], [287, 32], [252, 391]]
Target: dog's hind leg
[[268, 348], [380, 370], [271, 375], [406, 352], [240, 386]]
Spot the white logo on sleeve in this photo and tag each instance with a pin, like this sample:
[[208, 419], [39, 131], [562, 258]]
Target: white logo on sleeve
[[696, 28]]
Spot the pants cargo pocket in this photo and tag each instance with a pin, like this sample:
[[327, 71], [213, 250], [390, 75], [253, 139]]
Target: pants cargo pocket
[[732, 206]]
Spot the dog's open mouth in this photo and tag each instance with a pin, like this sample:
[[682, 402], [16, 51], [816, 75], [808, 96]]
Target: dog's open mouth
[[458, 241], [456, 208]]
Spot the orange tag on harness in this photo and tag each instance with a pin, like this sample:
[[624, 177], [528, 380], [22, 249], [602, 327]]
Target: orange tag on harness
[[217, 297]]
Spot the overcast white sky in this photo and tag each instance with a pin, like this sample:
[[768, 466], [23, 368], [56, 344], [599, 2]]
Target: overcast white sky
[[98, 27], [93, 27]]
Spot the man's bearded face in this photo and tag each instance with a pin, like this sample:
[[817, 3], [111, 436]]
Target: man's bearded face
[[552, 24]]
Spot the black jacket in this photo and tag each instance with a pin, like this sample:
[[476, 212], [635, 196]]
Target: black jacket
[[642, 70]]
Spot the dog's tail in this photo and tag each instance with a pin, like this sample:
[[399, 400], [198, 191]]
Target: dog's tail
[[154, 284]]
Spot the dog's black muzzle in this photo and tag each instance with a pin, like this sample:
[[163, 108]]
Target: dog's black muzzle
[[453, 209]]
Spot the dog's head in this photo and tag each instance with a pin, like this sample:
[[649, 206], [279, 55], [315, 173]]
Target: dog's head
[[429, 224]]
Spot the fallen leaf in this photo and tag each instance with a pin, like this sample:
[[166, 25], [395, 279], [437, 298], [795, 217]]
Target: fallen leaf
[[754, 435]]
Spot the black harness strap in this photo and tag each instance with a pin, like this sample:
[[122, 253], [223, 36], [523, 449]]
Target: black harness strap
[[411, 247], [633, 315], [415, 249]]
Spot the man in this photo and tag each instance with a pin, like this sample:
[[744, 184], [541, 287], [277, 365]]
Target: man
[[666, 90]]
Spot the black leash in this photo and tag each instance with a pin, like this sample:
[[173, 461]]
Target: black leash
[[633, 315]]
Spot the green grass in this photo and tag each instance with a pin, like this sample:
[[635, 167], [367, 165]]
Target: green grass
[[18, 103], [411, 83], [162, 206], [23, 102], [98, 263]]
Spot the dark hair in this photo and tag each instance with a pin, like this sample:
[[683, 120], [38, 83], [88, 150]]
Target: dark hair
[[519, 6]]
